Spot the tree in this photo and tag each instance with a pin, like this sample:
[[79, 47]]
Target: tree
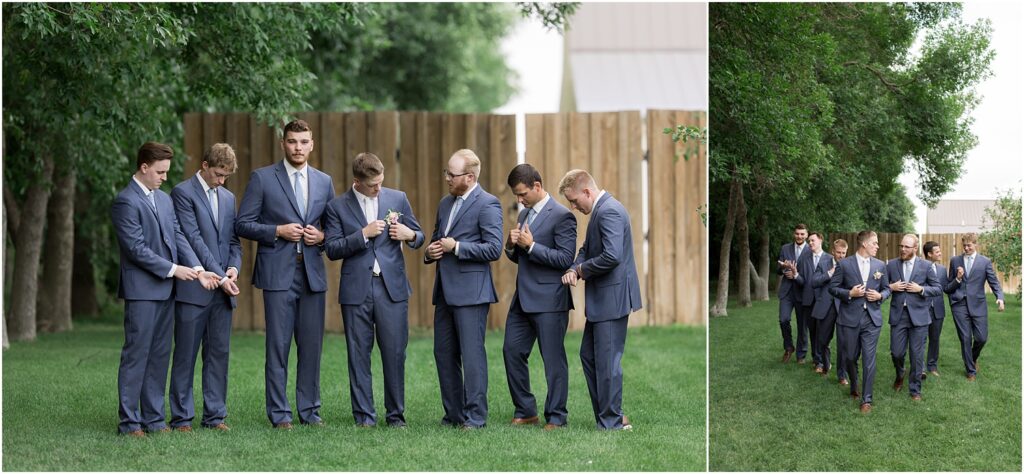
[[1002, 237]]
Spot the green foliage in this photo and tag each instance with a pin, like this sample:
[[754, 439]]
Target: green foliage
[[1002, 235], [554, 16]]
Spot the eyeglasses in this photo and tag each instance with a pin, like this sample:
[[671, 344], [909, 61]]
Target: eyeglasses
[[448, 175]]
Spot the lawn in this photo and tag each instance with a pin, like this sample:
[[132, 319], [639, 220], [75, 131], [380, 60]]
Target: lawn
[[60, 413], [769, 416]]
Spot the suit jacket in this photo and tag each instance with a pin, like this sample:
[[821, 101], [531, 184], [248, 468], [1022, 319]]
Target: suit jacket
[[805, 276], [819, 282], [607, 264], [847, 276], [539, 287], [269, 201], [465, 279], [789, 288], [344, 221], [150, 244], [918, 305], [972, 289], [216, 246], [937, 302]]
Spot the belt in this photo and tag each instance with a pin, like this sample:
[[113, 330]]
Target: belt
[[298, 257]]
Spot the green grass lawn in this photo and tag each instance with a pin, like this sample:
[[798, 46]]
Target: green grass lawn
[[60, 413], [769, 416]]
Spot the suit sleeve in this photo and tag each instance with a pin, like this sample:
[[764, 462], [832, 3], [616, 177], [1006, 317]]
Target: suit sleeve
[[835, 285], [235, 256], [820, 277], [248, 224], [337, 245], [993, 281], [186, 256], [559, 257], [129, 233], [932, 286], [488, 249], [778, 268], [611, 223], [434, 237], [409, 219], [185, 211], [886, 291], [800, 280], [953, 285]]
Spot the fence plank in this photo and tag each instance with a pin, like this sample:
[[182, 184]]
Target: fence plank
[[501, 142], [331, 142], [663, 212]]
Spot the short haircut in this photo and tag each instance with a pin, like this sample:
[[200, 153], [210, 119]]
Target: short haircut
[[471, 162], [917, 240], [221, 155], [840, 244], [863, 236], [577, 180], [800, 227], [151, 152], [969, 238], [929, 247], [366, 166], [524, 174], [820, 237], [296, 126]]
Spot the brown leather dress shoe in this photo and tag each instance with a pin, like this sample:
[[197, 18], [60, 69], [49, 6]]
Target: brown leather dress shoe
[[819, 370], [552, 427], [184, 429], [626, 425], [854, 395], [801, 360], [220, 427], [787, 355], [916, 397], [934, 373], [136, 434], [898, 384], [161, 430], [844, 382], [284, 426], [924, 375], [971, 378], [865, 408], [530, 420]]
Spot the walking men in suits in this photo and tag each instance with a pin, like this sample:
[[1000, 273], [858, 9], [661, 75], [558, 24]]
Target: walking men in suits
[[206, 212], [542, 244], [912, 283], [933, 252], [967, 274], [814, 280], [466, 238], [605, 262], [807, 267], [790, 296], [826, 309], [861, 284], [154, 252], [282, 211], [366, 227]]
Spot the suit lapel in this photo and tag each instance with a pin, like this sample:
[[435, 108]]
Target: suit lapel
[[352, 201], [470, 200], [537, 221], [286, 186], [197, 191]]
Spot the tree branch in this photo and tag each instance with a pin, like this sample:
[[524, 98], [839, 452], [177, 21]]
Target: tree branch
[[895, 88]]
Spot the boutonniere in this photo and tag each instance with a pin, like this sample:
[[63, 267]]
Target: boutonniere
[[878, 275], [391, 218]]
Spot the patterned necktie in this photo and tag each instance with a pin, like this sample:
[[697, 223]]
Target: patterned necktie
[[455, 212], [214, 206]]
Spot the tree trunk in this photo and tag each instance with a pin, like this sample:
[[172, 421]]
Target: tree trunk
[[3, 218], [764, 272], [54, 302], [83, 283], [722, 296], [743, 239], [29, 244]]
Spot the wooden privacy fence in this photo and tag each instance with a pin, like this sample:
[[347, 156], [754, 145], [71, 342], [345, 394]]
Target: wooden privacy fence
[[415, 147], [889, 248]]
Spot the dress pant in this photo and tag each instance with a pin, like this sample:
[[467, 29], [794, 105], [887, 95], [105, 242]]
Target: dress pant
[[861, 340], [548, 330], [461, 362], [901, 336], [972, 330], [209, 326], [388, 320], [601, 354], [934, 335], [298, 313], [826, 327], [145, 355], [812, 330], [786, 308]]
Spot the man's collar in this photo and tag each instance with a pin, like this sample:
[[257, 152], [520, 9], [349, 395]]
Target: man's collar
[[202, 182], [468, 192], [291, 169], [145, 190], [360, 195], [540, 204]]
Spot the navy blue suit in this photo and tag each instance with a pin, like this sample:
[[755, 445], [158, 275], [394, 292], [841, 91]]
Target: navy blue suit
[[150, 244], [463, 293], [606, 263], [909, 317], [823, 312], [202, 316], [540, 311], [969, 307], [293, 284], [790, 298], [859, 319], [938, 309], [372, 304], [808, 294]]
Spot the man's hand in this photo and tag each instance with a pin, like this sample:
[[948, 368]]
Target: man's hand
[[513, 236], [289, 232], [184, 273], [311, 235], [959, 273], [447, 244], [232, 273], [402, 232], [569, 277], [857, 291], [873, 295], [209, 280], [373, 229], [230, 287], [525, 237], [1002, 306], [913, 287], [897, 285], [434, 250]]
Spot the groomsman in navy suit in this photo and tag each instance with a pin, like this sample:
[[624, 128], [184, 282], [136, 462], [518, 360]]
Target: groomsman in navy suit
[[206, 212], [542, 244], [861, 284], [605, 262], [967, 274], [366, 227], [466, 239], [790, 296], [282, 212], [154, 253], [933, 252], [912, 284], [807, 266], [826, 309]]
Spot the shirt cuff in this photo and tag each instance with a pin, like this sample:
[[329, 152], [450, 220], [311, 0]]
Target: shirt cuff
[[456, 249], [530, 250], [171, 273]]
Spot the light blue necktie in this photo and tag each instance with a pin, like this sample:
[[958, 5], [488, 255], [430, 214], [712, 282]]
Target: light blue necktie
[[816, 257], [213, 207], [455, 212], [530, 216], [152, 200], [969, 260], [300, 195]]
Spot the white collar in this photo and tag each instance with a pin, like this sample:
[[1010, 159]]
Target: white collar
[[863, 259], [291, 169], [145, 190], [540, 204], [202, 182], [599, 196], [360, 196], [911, 261], [468, 192]]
